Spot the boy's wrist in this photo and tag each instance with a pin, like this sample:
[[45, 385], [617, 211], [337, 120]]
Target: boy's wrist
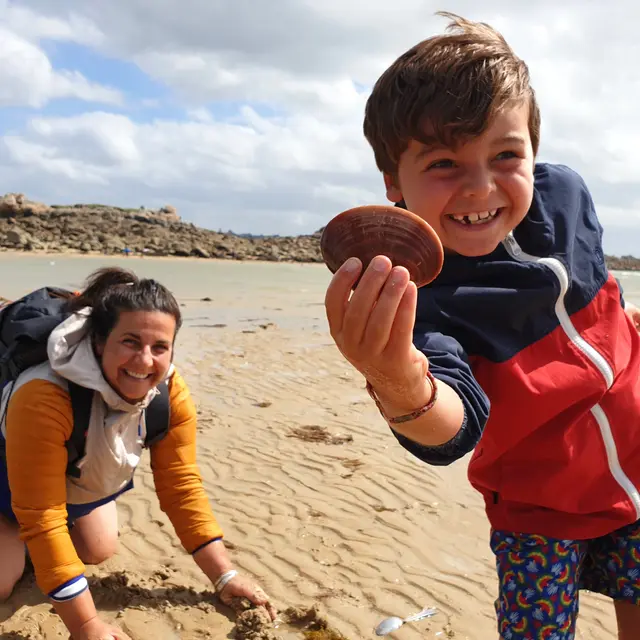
[[396, 402]]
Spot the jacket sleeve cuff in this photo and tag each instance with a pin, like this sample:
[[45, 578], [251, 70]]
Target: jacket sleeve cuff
[[443, 454], [206, 544], [70, 589]]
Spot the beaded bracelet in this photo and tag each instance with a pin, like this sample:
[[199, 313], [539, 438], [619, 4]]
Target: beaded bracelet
[[414, 414]]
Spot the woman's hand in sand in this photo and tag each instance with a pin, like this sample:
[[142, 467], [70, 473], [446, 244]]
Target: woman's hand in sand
[[634, 313], [243, 587], [374, 329], [96, 629]]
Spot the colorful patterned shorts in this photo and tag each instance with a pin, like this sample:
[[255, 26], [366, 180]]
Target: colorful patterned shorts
[[540, 579]]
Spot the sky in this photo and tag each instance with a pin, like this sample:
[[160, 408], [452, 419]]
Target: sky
[[246, 115]]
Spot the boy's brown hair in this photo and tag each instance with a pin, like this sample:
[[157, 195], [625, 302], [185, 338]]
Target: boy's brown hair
[[446, 89]]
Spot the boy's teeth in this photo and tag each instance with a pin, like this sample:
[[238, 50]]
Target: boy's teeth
[[474, 218]]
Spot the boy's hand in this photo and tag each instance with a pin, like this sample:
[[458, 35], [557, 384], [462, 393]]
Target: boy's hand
[[374, 330], [634, 313]]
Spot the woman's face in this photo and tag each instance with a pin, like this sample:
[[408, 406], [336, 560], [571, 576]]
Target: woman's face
[[137, 353]]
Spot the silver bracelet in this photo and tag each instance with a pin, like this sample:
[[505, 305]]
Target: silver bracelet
[[222, 581]]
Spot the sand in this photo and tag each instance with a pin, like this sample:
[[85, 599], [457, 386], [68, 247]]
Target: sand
[[318, 502]]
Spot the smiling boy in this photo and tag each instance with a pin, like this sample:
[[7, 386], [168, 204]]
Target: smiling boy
[[522, 340]]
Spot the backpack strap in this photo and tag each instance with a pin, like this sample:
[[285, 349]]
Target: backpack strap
[[157, 419], [81, 401], [158, 416]]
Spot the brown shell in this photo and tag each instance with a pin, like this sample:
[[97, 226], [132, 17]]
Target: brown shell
[[372, 230]]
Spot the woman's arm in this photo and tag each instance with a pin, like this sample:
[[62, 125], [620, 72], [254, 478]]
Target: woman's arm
[[183, 498], [176, 476], [39, 422]]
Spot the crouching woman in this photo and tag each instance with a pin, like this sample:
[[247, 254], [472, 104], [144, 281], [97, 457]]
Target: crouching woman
[[118, 342]]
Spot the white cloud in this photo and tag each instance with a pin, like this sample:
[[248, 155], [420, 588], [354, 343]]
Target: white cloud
[[35, 26], [273, 93], [280, 166], [28, 79], [43, 159], [208, 77], [620, 217]]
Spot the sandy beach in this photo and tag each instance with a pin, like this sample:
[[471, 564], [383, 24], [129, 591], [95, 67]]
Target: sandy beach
[[318, 501]]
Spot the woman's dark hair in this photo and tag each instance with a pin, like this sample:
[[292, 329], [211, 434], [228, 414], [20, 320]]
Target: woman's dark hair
[[111, 290]]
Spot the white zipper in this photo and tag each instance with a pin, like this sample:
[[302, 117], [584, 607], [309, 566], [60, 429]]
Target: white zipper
[[590, 352]]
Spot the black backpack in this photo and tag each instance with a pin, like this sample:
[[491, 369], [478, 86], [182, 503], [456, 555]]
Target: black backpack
[[25, 325]]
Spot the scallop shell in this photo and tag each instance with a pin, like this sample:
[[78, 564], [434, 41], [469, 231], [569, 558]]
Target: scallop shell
[[371, 230]]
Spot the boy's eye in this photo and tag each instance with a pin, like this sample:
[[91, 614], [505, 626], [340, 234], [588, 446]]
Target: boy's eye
[[505, 155], [440, 164]]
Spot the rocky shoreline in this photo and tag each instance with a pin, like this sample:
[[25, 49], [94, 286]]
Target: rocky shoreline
[[92, 228], [31, 226]]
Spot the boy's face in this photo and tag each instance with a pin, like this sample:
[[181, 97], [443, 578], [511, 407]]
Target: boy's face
[[472, 196]]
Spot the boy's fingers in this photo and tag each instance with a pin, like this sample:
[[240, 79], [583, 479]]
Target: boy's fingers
[[382, 318], [401, 336], [364, 299], [337, 296]]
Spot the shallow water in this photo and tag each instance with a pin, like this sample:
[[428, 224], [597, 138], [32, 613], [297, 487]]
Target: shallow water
[[249, 290], [290, 295]]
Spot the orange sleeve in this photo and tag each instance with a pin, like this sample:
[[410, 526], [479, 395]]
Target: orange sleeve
[[176, 475], [39, 422]]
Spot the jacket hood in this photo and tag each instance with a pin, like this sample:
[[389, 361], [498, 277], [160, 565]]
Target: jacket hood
[[71, 356]]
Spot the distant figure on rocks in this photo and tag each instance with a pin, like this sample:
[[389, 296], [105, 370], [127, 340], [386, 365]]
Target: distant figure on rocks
[[110, 355]]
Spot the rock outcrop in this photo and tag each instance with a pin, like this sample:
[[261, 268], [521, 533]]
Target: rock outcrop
[[90, 228]]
